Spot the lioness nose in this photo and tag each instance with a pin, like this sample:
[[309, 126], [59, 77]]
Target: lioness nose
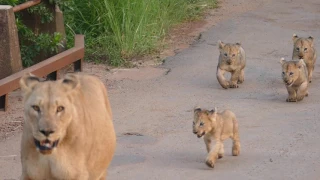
[[300, 57], [46, 133]]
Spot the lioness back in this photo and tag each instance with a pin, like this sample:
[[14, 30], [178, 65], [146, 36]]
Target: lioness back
[[68, 131]]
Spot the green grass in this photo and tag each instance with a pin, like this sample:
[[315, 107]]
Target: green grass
[[119, 30]]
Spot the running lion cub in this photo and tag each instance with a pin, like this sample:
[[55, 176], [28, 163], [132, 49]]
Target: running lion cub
[[216, 126], [232, 59], [295, 77], [303, 48]]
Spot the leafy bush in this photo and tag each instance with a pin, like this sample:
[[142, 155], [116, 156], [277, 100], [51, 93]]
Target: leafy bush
[[31, 44], [118, 30], [115, 30]]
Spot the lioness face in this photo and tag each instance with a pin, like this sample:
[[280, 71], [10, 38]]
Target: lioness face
[[291, 71], [302, 46], [48, 111], [203, 121], [229, 53]]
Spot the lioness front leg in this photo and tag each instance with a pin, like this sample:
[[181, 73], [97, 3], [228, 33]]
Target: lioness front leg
[[302, 91], [207, 141], [213, 155], [221, 79], [292, 95], [234, 79]]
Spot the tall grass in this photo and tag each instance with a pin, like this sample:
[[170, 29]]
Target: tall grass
[[118, 30]]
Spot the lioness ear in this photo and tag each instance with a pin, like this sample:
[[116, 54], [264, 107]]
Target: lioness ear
[[238, 44], [294, 37], [221, 44], [71, 81], [28, 82], [282, 61]]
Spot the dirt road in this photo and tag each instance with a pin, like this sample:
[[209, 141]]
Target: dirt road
[[152, 107]]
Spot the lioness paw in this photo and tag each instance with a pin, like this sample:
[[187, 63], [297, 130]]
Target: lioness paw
[[220, 156]]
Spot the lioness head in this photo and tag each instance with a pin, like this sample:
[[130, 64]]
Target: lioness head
[[204, 121], [291, 70], [48, 109], [302, 46], [229, 53]]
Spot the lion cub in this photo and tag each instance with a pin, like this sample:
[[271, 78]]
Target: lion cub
[[216, 126], [303, 48], [294, 75], [232, 59]]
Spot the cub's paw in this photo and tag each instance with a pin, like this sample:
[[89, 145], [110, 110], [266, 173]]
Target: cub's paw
[[291, 100], [240, 81], [235, 151], [225, 85], [233, 85], [210, 163], [299, 98]]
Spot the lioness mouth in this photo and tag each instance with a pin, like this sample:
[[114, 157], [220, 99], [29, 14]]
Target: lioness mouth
[[199, 136], [46, 146]]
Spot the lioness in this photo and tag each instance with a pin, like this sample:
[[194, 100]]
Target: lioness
[[68, 131], [294, 75], [231, 59], [218, 126], [303, 48]]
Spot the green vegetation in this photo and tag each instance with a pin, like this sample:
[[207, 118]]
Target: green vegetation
[[119, 30]]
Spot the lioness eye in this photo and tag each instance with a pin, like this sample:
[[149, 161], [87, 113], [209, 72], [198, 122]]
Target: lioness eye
[[305, 49], [225, 54], [201, 124], [297, 49], [283, 73], [36, 108], [194, 123], [60, 108], [291, 73]]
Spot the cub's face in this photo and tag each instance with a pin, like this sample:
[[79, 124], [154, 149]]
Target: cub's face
[[302, 47], [48, 111], [203, 121], [229, 53], [291, 71]]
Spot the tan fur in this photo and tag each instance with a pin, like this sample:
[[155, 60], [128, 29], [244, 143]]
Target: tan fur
[[77, 112], [294, 75], [231, 59], [303, 48], [216, 126]]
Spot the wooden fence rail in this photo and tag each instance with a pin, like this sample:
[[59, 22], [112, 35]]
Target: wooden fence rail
[[48, 67]]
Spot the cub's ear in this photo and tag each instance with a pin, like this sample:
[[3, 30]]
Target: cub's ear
[[300, 63], [311, 40], [238, 43], [28, 82], [196, 109], [221, 44], [71, 81], [294, 37], [282, 61], [213, 111]]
